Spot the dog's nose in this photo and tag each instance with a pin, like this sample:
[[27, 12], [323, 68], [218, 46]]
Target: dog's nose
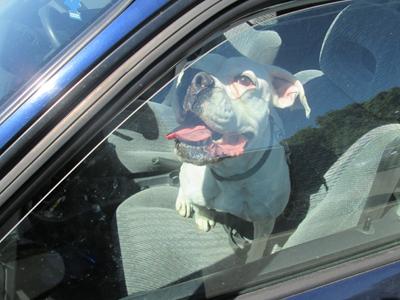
[[202, 81]]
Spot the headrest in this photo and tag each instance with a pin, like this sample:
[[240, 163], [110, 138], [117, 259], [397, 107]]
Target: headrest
[[361, 50], [261, 46]]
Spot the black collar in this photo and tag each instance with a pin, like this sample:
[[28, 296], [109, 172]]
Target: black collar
[[246, 174]]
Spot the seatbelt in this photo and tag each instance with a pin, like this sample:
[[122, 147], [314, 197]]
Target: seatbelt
[[385, 183], [262, 231]]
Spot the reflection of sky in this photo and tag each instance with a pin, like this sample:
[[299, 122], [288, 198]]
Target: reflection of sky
[[356, 286]]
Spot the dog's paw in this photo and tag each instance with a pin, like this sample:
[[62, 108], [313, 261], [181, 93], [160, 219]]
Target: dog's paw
[[184, 209], [204, 218], [204, 223]]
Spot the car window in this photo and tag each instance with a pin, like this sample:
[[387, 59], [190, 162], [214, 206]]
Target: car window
[[32, 32], [272, 154]]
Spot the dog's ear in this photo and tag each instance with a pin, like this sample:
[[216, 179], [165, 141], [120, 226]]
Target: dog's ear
[[288, 88]]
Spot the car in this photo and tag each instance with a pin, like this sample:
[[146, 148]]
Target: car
[[108, 191]]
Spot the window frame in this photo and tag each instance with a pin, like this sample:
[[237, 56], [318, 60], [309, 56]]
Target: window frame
[[129, 81]]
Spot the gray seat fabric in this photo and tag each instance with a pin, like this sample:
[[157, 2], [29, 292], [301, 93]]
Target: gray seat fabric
[[360, 50], [261, 46], [159, 247], [339, 205], [138, 153], [143, 159]]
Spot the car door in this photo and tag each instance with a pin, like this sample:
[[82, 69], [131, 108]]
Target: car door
[[92, 212]]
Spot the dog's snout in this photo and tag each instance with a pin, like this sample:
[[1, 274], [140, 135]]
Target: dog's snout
[[202, 81]]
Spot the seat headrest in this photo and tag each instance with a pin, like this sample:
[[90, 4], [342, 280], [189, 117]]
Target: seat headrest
[[361, 50], [261, 46]]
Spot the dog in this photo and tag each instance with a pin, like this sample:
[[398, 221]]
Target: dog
[[229, 140]]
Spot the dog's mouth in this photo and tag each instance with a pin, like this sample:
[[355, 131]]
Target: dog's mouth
[[201, 145]]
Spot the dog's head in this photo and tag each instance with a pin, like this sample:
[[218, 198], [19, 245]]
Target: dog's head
[[224, 104]]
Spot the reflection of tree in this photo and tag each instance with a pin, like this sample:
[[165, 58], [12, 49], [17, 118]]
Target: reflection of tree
[[314, 150]]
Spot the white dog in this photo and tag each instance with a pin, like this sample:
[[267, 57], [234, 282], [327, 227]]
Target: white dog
[[229, 140]]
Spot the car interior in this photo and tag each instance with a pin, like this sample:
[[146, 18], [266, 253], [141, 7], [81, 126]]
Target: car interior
[[111, 230]]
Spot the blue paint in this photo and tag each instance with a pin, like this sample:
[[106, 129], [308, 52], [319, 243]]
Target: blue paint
[[137, 12], [360, 285]]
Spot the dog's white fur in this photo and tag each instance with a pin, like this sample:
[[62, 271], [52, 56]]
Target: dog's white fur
[[261, 197]]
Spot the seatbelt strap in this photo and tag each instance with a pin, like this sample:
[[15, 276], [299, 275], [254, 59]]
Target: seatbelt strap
[[262, 231]]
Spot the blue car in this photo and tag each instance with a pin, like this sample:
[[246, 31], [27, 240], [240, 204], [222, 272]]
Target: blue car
[[199, 149]]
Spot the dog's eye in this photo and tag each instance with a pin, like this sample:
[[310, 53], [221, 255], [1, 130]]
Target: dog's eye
[[244, 80]]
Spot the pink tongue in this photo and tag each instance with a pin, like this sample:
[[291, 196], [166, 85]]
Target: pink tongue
[[194, 134], [230, 146]]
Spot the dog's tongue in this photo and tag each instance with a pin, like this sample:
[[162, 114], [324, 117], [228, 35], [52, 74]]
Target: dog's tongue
[[230, 145], [197, 133]]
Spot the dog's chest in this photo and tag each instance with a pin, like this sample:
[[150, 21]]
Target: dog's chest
[[265, 192]]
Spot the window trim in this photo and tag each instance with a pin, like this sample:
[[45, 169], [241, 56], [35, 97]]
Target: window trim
[[329, 276]]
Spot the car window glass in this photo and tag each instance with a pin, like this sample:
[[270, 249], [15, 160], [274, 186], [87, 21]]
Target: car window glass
[[32, 32], [272, 154]]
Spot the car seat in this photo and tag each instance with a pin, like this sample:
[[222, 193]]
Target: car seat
[[159, 247], [348, 192]]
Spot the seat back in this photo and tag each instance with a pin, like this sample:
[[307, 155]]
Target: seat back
[[159, 248], [340, 203], [360, 52]]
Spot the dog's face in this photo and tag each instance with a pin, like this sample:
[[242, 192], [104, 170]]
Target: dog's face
[[223, 106]]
